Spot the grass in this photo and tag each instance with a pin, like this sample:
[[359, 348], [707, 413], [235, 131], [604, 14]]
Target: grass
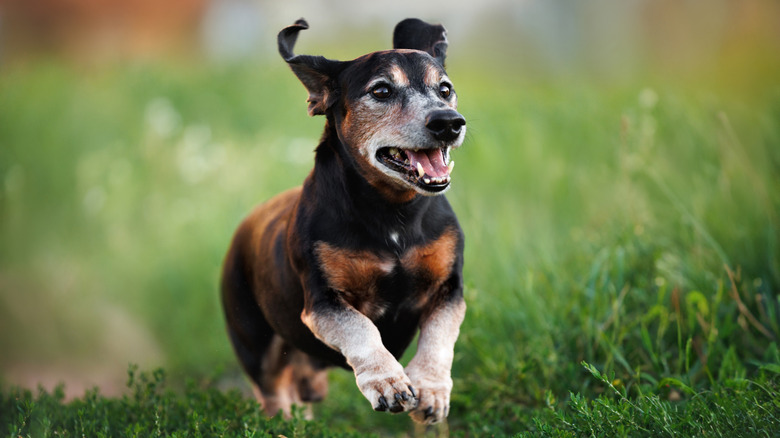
[[622, 257], [148, 410], [736, 408]]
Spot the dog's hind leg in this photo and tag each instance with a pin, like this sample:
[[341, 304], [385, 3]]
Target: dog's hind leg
[[281, 374], [290, 377], [310, 377], [249, 332]]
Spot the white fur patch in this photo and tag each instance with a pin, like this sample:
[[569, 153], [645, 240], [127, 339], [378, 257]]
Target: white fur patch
[[377, 372], [430, 367]]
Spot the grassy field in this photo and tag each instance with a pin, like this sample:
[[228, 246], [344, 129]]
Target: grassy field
[[622, 256]]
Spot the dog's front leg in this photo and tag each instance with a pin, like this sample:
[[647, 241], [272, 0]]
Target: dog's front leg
[[429, 369], [379, 376]]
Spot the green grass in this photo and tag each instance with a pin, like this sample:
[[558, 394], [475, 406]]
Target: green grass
[[148, 410], [631, 227], [735, 409]]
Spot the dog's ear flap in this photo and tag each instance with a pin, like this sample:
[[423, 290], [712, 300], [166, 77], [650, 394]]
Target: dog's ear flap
[[317, 73], [413, 33]]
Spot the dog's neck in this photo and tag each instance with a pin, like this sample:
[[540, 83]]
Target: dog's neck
[[337, 178]]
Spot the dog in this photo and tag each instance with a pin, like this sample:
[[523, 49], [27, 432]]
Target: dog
[[344, 270]]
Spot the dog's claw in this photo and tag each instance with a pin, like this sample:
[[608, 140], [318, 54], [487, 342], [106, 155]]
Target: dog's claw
[[411, 389], [382, 404], [428, 412], [397, 406]]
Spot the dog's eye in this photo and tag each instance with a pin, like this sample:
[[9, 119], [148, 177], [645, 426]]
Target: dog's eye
[[381, 91], [445, 90]]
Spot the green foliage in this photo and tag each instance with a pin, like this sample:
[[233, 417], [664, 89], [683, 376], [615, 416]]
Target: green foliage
[[633, 228], [736, 408], [150, 410]]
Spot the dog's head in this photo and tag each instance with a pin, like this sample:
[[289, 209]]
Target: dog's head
[[394, 110]]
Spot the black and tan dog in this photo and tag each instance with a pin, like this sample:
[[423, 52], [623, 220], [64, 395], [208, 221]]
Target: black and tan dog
[[345, 269]]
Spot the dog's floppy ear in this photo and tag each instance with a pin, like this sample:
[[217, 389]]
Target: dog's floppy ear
[[317, 73], [414, 33]]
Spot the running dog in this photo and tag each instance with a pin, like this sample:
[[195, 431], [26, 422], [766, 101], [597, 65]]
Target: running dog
[[344, 270]]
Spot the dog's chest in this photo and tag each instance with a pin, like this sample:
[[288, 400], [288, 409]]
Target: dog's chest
[[371, 280]]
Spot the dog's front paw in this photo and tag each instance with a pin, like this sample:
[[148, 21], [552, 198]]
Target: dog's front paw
[[433, 394], [387, 387]]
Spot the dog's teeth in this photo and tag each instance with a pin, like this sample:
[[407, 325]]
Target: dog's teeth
[[420, 171], [427, 180], [450, 166], [394, 152]]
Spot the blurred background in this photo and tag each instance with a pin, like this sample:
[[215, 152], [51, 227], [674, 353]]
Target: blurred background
[[612, 39], [135, 134]]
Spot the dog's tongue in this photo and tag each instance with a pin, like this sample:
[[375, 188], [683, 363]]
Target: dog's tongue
[[431, 160]]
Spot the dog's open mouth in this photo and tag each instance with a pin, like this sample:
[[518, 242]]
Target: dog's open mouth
[[428, 169]]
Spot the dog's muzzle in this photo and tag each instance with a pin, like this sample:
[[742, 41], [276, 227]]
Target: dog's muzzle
[[428, 168]]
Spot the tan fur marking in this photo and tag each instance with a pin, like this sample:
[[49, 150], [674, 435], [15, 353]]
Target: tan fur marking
[[433, 260], [355, 274], [347, 270], [432, 75], [399, 76]]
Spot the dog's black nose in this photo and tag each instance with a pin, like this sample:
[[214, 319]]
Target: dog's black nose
[[445, 125]]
